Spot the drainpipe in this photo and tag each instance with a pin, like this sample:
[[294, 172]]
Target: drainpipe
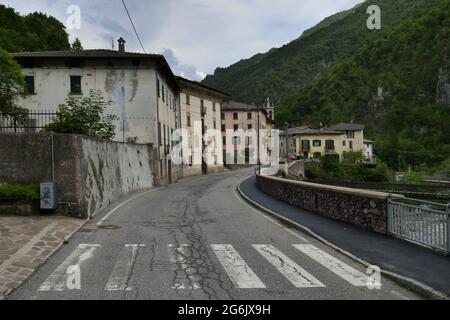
[[158, 148], [52, 135]]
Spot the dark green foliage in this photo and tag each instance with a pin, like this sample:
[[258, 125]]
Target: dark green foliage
[[11, 83], [330, 169], [33, 32], [84, 115], [76, 45], [15, 192], [409, 127]]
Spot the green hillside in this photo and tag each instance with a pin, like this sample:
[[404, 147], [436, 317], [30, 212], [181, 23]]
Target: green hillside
[[283, 70], [397, 84], [33, 32]]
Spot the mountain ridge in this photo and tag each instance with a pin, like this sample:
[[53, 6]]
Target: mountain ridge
[[282, 70]]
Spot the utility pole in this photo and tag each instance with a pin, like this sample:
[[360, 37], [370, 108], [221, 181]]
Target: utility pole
[[286, 127], [259, 153]]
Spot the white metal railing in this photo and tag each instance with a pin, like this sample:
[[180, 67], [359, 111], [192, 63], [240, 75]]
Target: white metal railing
[[422, 222]]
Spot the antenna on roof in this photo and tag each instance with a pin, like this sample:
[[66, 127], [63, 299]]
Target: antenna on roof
[[112, 42]]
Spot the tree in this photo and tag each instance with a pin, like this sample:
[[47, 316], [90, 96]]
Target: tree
[[12, 83], [76, 45], [84, 115], [33, 32]]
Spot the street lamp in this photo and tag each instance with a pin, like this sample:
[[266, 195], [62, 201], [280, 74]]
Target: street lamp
[[259, 151], [286, 127]]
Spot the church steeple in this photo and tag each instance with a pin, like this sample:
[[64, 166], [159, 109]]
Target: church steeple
[[270, 108]]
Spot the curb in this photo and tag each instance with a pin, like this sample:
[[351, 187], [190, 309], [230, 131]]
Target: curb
[[5, 295], [408, 283]]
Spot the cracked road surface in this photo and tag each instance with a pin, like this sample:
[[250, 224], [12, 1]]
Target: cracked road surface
[[198, 240]]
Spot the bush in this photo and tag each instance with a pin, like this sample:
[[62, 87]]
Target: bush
[[330, 169], [84, 115], [15, 192], [413, 177], [132, 140]]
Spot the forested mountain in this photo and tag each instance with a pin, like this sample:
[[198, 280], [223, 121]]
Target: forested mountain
[[33, 32], [397, 84], [395, 80], [283, 70]]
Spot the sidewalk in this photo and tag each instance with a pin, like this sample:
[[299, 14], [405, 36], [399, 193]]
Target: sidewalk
[[26, 242], [390, 254]]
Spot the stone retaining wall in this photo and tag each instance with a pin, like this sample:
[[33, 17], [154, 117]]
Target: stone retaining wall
[[365, 209], [89, 173]]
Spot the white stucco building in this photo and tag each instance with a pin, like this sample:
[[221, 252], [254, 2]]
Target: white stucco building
[[143, 91], [368, 150]]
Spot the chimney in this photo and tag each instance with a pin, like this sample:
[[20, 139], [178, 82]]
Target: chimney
[[121, 44]]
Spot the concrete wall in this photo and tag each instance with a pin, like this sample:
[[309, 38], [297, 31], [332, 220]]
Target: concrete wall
[[89, 173], [111, 170], [365, 209]]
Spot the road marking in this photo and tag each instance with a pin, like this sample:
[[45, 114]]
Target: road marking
[[57, 281], [123, 269], [257, 211], [296, 234], [298, 276], [124, 203], [186, 276], [349, 274], [239, 272], [398, 294]]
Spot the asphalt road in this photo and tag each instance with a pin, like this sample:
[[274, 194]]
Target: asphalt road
[[198, 239]]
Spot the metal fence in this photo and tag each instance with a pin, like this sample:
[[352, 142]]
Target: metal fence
[[421, 222], [430, 191], [28, 121]]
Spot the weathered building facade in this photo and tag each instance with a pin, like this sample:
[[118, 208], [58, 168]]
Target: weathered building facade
[[240, 116], [142, 89], [202, 105]]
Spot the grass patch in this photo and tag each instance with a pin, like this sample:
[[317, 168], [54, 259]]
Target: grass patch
[[16, 192]]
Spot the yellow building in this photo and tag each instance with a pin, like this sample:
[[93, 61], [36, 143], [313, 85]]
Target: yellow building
[[338, 139]]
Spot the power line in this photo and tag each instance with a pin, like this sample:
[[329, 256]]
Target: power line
[[132, 24]]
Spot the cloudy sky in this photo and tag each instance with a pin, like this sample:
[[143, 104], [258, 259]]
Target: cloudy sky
[[196, 36]]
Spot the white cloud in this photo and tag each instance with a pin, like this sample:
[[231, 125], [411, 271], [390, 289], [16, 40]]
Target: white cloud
[[204, 34]]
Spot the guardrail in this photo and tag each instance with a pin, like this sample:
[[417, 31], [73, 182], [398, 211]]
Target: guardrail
[[421, 222], [430, 191]]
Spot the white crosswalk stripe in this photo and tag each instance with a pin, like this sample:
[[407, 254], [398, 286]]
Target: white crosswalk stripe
[[298, 276], [58, 280], [123, 269], [237, 269], [186, 276], [185, 267], [336, 266]]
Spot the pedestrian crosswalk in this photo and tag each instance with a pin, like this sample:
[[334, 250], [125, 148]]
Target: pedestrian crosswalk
[[237, 269], [241, 269]]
